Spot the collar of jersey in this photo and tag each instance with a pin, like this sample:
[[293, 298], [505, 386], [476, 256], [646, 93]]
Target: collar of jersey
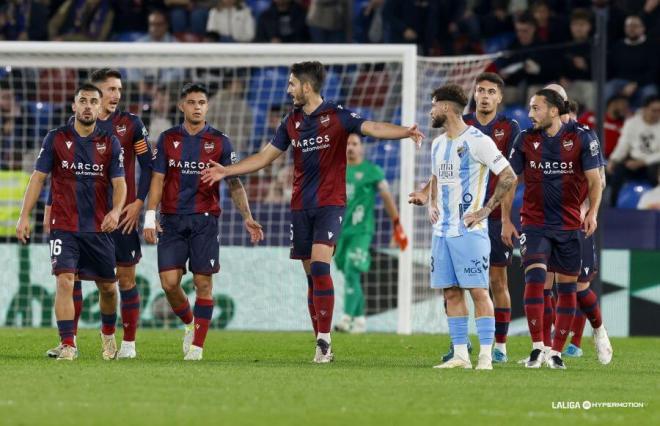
[[91, 135], [559, 133], [200, 133]]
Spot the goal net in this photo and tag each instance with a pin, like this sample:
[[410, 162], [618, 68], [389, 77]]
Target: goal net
[[258, 287]]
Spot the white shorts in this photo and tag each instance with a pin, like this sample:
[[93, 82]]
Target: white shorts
[[461, 261]]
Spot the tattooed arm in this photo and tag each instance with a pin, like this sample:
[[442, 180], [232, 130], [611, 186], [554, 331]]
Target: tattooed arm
[[507, 179]]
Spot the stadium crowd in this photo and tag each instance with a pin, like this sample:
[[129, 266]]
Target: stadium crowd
[[547, 41]]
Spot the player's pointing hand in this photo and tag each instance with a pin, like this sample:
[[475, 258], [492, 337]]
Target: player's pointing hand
[[213, 174], [416, 135]]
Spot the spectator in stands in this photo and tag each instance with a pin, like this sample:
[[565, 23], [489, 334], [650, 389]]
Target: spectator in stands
[[411, 22], [131, 16], [527, 67], [159, 29], [637, 155], [549, 27], [369, 23], [650, 200], [576, 68], [329, 21], [232, 20], [633, 64], [230, 112], [81, 20], [23, 20], [494, 17], [161, 114], [616, 112], [18, 131], [189, 16], [282, 22], [150, 77]]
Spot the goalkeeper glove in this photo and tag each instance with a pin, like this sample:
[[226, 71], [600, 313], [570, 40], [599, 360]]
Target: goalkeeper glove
[[399, 235]]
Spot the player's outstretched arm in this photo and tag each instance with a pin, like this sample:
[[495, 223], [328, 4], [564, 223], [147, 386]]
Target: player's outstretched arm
[[595, 194], [382, 130], [507, 180], [254, 162], [29, 200], [398, 234], [111, 220], [421, 197], [151, 226], [240, 200]]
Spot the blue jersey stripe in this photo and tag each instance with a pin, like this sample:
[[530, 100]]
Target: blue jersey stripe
[[464, 174], [311, 166], [85, 195], [188, 183], [445, 193]]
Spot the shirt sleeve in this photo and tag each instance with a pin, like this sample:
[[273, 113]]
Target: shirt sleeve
[[623, 145], [434, 166], [281, 139], [517, 155], [44, 162], [590, 155], [144, 157], [228, 156], [117, 161], [487, 153], [351, 121], [159, 157], [379, 177]]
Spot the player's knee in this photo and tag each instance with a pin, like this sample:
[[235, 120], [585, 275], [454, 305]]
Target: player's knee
[[107, 290], [169, 286], [498, 283], [65, 282], [203, 284], [453, 295]]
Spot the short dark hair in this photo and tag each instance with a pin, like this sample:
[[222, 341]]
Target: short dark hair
[[193, 88], [617, 97], [554, 99], [491, 77], [101, 75], [526, 18], [87, 87], [581, 15], [451, 93], [573, 106], [311, 72], [650, 99]]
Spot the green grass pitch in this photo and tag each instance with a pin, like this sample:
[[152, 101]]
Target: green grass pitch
[[258, 378]]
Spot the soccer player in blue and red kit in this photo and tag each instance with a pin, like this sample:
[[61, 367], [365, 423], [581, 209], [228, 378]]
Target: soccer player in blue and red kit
[[556, 161], [89, 190], [188, 229], [132, 135], [317, 130]]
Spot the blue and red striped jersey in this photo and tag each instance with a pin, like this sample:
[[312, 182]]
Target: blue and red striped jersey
[[319, 153], [553, 170], [503, 131], [181, 157], [82, 171], [132, 135]]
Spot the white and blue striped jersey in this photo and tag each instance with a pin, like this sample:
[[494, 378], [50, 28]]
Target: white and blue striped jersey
[[461, 167]]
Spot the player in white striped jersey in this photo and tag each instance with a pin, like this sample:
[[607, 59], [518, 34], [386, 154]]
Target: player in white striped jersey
[[461, 160]]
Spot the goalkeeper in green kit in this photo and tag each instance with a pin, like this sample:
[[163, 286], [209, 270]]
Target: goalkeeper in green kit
[[363, 181]]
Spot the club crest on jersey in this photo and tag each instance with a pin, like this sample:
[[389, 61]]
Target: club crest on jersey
[[176, 144], [325, 120], [209, 146], [499, 133], [68, 144], [460, 151], [121, 129], [100, 147], [567, 144]]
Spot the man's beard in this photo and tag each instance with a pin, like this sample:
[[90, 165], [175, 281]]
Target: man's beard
[[539, 125], [84, 121], [438, 122]]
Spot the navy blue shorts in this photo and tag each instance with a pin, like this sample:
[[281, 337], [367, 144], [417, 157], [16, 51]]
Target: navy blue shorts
[[560, 251], [192, 239], [321, 225], [90, 255], [500, 254], [589, 267], [127, 248]]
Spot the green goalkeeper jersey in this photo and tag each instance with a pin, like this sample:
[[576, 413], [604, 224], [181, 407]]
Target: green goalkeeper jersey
[[361, 188]]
